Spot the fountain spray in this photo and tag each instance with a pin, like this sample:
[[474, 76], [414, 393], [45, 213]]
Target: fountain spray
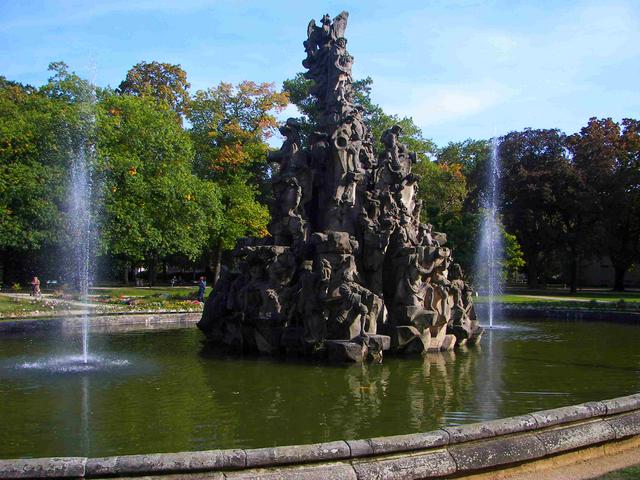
[[489, 257], [81, 222]]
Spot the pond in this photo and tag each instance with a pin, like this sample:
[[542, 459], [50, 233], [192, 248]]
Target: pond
[[160, 391]]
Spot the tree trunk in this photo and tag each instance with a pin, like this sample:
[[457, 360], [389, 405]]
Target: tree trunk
[[573, 273], [532, 274], [618, 284], [216, 256], [2, 262], [153, 270], [125, 274]]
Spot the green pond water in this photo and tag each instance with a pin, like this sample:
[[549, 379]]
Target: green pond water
[[158, 391]]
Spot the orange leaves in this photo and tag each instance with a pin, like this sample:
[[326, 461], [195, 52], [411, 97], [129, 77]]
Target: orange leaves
[[229, 156], [133, 171]]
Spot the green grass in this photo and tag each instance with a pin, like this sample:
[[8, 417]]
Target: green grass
[[106, 300], [183, 292], [508, 299], [558, 299], [585, 294], [631, 473]]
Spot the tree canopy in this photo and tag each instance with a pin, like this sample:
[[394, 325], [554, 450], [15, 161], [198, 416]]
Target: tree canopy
[[163, 81]]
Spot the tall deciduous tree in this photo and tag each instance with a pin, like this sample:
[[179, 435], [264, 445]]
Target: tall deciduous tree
[[154, 205], [39, 132], [536, 172], [229, 127], [31, 173], [162, 81], [607, 157]]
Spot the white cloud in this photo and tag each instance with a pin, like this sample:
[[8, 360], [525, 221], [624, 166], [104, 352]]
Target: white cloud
[[440, 103]]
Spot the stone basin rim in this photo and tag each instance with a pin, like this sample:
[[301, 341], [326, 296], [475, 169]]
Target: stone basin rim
[[458, 449]]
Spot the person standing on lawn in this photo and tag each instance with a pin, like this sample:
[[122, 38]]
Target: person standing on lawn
[[202, 285], [35, 287]]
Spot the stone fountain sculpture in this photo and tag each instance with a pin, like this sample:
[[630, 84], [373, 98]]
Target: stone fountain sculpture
[[349, 271]]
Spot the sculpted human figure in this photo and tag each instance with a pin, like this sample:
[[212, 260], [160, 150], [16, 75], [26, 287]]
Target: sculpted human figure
[[412, 289], [340, 76], [355, 143], [392, 145], [339, 25], [320, 150], [353, 300], [309, 304], [288, 156], [312, 43]]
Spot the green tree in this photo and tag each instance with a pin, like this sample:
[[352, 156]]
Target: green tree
[[229, 128], [536, 172], [154, 205], [163, 81], [607, 159], [442, 189], [473, 157], [35, 141]]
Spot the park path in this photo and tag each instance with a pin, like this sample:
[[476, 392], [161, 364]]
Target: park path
[[49, 298]]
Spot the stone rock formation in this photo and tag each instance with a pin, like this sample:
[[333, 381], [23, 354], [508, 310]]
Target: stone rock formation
[[349, 271]]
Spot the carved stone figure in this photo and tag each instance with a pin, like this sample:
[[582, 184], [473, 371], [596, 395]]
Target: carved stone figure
[[349, 270]]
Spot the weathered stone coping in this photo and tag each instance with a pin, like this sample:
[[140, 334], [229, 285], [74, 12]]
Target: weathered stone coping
[[105, 322], [460, 450]]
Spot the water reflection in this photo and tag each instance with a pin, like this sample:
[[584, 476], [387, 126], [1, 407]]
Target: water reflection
[[170, 398], [398, 396], [489, 387]]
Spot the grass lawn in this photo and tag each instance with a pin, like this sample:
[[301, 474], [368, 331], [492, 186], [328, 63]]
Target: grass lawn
[[631, 473], [10, 307], [183, 292], [107, 300], [600, 295], [596, 299]]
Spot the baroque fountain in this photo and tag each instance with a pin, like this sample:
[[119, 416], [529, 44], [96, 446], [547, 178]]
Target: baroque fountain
[[349, 270]]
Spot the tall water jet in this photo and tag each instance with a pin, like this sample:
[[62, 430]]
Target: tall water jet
[[81, 224], [489, 256]]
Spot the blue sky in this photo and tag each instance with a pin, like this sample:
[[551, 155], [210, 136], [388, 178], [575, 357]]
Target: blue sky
[[461, 68]]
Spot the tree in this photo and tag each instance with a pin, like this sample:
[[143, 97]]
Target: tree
[[606, 156], [473, 157], [536, 172], [154, 205], [229, 128], [35, 140], [163, 81], [442, 189]]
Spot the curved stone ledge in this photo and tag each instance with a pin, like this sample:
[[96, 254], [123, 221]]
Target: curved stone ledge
[[459, 451], [111, 322]]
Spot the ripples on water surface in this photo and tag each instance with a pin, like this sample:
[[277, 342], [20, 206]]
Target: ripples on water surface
[[157, 391]]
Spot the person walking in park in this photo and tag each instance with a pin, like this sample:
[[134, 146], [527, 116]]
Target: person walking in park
[[35, 287], [202, 285]]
